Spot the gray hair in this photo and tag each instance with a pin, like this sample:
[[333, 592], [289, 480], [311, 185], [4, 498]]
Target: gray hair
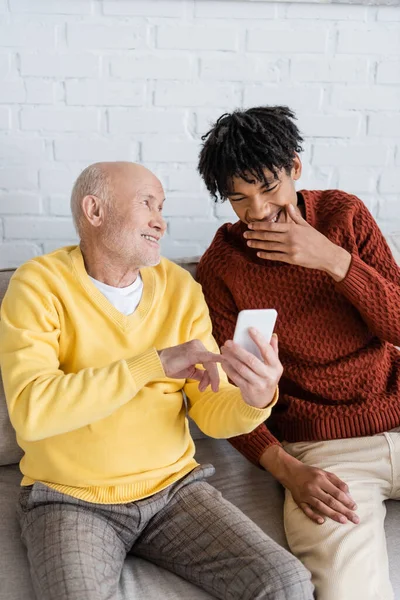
[[93, 181]]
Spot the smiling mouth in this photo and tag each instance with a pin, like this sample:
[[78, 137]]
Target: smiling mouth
[[150, 238], [275, 217]]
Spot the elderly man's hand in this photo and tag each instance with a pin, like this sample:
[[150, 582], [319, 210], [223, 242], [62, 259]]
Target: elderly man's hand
[[179, 362], [256, 379]]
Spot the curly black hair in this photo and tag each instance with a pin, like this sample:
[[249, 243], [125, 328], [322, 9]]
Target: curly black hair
[[244, 143]]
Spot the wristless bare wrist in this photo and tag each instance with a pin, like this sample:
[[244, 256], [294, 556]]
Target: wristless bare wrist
[[279, 463]]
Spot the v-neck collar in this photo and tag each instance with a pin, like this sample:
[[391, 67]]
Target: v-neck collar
[[125, 322]]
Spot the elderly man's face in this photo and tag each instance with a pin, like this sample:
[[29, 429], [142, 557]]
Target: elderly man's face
[[134, 224]]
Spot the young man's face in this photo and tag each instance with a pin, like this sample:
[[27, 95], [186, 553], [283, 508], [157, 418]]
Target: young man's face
[[256, 201]]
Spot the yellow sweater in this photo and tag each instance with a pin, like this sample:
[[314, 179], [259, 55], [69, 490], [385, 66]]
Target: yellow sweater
[[86, 391]]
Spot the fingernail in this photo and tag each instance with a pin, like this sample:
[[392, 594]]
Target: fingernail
[[355, 520], [246, 234], [321, 521], [250, 225], [354, 507], [343, 520]]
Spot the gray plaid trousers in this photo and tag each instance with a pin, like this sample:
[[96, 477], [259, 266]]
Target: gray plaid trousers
[[76, 549]]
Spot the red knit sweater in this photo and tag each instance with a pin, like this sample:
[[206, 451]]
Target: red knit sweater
[[336, 340]]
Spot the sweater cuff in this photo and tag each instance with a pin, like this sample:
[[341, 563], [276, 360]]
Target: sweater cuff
[[145, 367], [356, 280], [258, 414]]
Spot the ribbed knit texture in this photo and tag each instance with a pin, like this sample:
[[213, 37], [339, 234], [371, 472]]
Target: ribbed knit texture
[[337, 340]]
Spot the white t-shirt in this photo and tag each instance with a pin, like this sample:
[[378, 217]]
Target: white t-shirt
[[125, 299]]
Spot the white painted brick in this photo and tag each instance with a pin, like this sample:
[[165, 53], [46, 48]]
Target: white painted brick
[[57, 179], [27, 35], [205, 119], [38, 228], [199, 230], [145, 8], [367, 98], [218, 9], [394, 243], [369, 42], [384, 125], [389, 13], [224, 210], [55, 245], [164, 150], [389, 72], [388, 210], [194, 94], [60, 65], [112, 35], [4, 118], [18, 149], [61, 7], [335, 126], [389, 183], [60, 206], [358, 155], [186, 179], [4, 65], [59, 119], [132, 120], [152, 67], [346, 70], [187, 205], [14, 255], [299, 98], [94, 150], [20, 203], [331, 12], [357, 179], [174, 250], [197, 38], [12, 92], [287, 40], [18, 178], [39, 91], [315, 178], [241, 68], [105, 93]]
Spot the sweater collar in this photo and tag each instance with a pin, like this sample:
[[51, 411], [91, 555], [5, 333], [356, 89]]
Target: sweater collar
[[124, 321]]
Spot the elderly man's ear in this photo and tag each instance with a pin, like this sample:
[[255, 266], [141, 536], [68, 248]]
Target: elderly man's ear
[[93, 209]]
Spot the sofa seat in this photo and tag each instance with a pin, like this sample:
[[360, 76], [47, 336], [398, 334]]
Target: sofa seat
[[251, 489]]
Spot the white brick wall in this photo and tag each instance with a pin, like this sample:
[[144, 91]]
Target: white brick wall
[[85, 80]]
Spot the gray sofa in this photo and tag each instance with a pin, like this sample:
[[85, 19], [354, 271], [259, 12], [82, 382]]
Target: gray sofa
[[251, 489]]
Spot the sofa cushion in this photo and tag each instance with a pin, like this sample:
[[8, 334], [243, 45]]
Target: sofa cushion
[[254, 491], [10, 452]]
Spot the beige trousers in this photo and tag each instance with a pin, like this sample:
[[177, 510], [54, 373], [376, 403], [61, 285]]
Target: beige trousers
[[348, 562]]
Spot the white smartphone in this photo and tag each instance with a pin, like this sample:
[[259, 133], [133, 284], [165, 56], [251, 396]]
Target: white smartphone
[[262, 319]]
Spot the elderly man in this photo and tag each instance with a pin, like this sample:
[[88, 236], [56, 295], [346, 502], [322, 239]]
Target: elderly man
[[98, 342]]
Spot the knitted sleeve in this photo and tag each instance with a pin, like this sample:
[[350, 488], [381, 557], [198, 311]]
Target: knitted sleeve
[[372, 283], [215, 275]]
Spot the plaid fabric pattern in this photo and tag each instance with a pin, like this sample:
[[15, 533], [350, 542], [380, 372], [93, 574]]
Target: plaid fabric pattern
[[76, 549]]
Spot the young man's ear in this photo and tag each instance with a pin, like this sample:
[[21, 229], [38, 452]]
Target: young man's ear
[[297, 168]]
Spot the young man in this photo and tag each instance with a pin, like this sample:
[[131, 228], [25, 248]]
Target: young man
[[97, 345], [319, 258]]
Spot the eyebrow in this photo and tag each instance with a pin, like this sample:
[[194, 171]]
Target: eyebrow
[[151, 197], [268, 184]]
